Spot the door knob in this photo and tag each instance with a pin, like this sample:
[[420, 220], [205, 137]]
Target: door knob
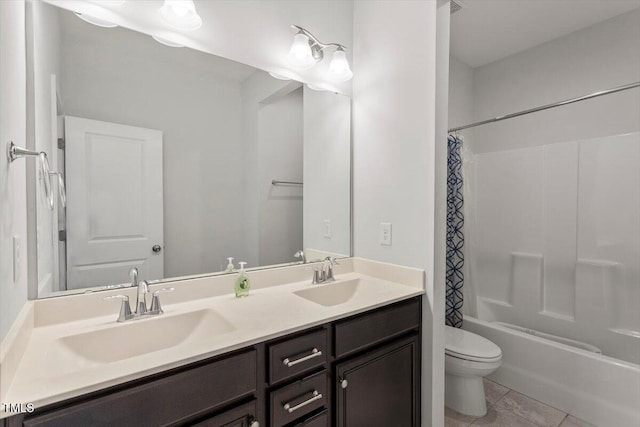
[[156, 248]]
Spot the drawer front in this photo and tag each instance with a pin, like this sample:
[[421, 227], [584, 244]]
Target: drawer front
[[297, 355], [240, 416], [298, 399], [165, 401], [370, 328], [318, 420]]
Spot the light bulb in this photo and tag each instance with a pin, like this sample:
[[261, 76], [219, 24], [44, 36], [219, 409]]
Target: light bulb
[[339, 70], [179, 10], [300, 53], [95, 21], [166, 42], [181, 14]]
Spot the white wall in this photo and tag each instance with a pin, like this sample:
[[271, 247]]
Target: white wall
[[460, 93], [255, 89], [13, 204], [280, 146], [394, 107], [599, 57], [200, 115], [327, 172]]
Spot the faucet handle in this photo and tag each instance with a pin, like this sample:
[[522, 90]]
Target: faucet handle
[[125, 308], [317, 276], [156, 308], [332, 260]]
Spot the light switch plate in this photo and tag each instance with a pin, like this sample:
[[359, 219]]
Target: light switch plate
[[327, 229], [385, 233]]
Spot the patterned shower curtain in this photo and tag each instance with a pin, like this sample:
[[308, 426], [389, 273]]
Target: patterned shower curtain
[[455, 236]]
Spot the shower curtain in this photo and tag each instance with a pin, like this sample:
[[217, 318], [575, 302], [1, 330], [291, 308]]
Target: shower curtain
[[455, 235]]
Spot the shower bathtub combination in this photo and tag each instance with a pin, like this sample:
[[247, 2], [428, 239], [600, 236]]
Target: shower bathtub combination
[[551, 238]]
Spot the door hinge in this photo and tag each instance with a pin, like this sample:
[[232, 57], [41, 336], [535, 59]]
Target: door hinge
[[61, 143], [62, 235]]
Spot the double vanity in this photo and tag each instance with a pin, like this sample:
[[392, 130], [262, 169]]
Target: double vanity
[[292, 353]]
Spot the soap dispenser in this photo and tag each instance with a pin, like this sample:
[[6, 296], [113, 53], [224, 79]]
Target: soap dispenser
[[243, 285], [230, 267]]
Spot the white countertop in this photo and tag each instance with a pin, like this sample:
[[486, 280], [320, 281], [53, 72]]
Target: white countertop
[[43, 372]]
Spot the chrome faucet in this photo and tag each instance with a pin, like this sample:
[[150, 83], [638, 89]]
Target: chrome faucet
[[142, 289], [324, 273], [300, 254]]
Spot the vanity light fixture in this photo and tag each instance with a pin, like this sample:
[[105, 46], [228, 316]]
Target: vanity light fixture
[[91, 19], [306, 51], [110, 2], [95, 21], [181, 14], [166, 42], [279, 76], [339, 70]]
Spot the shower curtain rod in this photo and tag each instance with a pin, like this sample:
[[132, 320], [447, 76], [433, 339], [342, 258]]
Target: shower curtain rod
[[546, 107]]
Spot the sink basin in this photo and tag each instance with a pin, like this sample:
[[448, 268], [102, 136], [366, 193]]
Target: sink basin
[[137, 337], [331, 294]]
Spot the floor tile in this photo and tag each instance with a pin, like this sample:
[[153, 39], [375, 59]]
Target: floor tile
[[456, 419], [533, 411], [494, 391], [500, 417], [572, 421]]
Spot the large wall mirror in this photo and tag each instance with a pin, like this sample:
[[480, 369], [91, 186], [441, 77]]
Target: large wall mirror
[[175, 160]]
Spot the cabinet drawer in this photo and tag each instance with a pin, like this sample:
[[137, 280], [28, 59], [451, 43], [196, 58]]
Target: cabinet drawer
[[370, 328], [317, 420], [297, 355], [240, 416], [298, 399], [162, 402]]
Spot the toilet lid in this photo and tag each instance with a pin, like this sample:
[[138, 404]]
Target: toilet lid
[[467, 345]]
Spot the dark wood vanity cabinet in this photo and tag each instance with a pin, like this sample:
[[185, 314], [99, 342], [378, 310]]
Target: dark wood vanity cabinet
[[363, 370], [380, 388]]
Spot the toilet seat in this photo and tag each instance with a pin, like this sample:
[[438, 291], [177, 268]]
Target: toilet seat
[[466, 345]]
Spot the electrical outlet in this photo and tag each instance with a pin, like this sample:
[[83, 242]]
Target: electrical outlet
[[385, 233], [16, 258], [327, 229]]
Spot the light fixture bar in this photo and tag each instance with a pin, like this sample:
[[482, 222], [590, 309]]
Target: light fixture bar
[[316, 45]]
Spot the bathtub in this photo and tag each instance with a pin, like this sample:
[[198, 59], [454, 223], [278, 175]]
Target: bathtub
[[599, 389]]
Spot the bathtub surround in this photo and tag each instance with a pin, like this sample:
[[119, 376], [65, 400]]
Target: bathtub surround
[[559, 240], [455, 232]]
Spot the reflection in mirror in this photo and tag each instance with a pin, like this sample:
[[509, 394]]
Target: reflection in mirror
[[175, 160]]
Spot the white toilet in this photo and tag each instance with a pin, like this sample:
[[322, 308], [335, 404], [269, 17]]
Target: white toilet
[[468, 358]]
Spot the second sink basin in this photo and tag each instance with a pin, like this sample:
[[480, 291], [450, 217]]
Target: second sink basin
[[137, 337], [331, 294]]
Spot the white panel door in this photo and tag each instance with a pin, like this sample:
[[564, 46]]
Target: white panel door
[[114, 202]]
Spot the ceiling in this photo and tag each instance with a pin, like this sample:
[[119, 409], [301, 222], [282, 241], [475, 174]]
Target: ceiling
[[484, 31]]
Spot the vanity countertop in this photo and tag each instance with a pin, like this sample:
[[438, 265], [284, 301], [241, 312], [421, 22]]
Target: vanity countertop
[[42, 365]]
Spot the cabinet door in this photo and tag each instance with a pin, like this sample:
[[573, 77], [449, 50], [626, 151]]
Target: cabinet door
[[240, 416], [380, 388]]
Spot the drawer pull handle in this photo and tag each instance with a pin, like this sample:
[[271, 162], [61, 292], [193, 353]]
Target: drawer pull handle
[[316, 396], [314, 353]]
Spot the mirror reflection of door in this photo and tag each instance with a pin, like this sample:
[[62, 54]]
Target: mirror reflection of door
[[114, 202]]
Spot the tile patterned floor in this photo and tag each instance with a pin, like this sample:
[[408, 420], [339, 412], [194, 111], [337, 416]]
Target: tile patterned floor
[[508, 408]]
